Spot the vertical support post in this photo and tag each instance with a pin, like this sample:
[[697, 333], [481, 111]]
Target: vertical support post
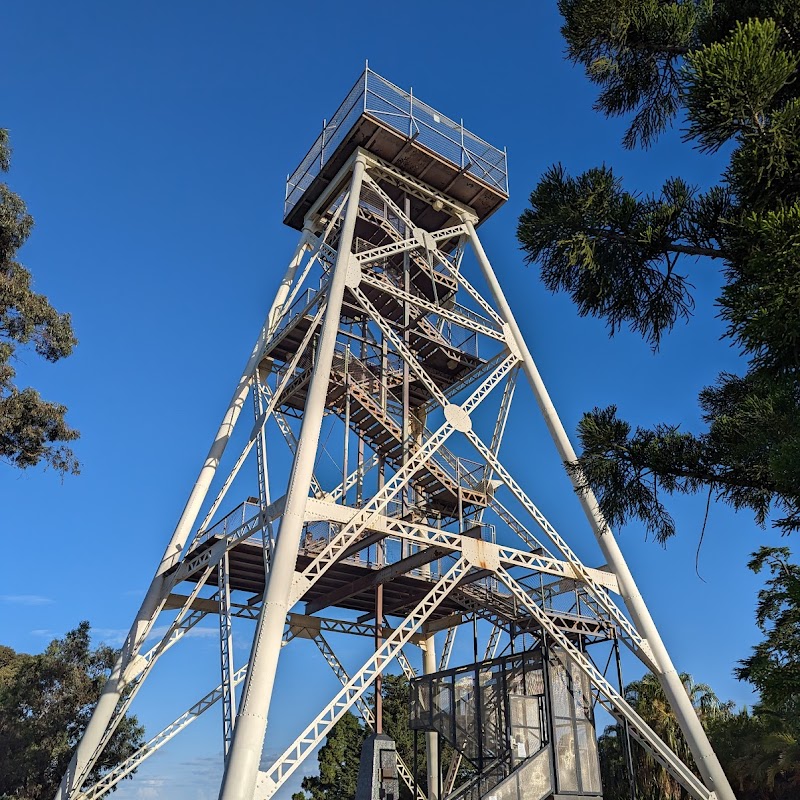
[[261, 443], [380, 547], [626, 731], [479, 718], [415, 764], [438, 765], [263, 473], [346, 443], [226, 653], [378, 643], [550, 723], [87, 750], [406, 427], [360, 451], [670, 681], [384, 378], [241, 771], [360, 473], [460, 497], [431, 748]]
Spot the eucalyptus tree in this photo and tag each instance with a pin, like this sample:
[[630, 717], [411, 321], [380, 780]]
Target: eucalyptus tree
[[32, 430], [46, 701]]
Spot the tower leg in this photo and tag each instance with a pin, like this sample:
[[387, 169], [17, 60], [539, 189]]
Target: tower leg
[[241, 771], [88, 748], [696, 738], [431, 745]]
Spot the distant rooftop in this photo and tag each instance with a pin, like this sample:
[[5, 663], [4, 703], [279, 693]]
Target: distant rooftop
[[399, 128]]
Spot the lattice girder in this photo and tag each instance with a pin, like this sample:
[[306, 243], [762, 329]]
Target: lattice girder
[[410, 526]]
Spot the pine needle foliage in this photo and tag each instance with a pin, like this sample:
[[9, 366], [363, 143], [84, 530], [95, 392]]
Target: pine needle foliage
[[728, 71], [774, 665]]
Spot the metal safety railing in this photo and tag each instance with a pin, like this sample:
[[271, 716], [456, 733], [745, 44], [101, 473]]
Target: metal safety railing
[[230, 522], [403, 112]]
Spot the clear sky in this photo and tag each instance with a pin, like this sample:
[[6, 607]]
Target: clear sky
[[151, 143]]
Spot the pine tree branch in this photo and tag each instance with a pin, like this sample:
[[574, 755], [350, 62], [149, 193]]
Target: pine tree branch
[[708, 476], [670, 247]]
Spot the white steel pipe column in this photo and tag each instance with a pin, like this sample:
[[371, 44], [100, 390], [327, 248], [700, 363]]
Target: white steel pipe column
[[241, 771], [431, 745], [87, 751], [704, 756]]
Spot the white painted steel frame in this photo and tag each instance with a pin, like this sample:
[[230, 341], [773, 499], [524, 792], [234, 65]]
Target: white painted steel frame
[[241, 768], [313, 734], [284, 587], [86, 752], [226, 652], [363, 518], [704, 756], [364, 709]]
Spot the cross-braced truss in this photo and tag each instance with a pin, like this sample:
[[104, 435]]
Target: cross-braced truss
[[389, 374]]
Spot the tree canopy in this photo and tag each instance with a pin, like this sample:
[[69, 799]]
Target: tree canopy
[[759, 749], [774, 665], [339, 757], [652, 782], [338, 761], [46, 701], [727, 71], [32, 430]]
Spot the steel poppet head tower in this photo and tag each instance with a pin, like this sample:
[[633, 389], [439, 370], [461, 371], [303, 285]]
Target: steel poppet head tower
[[391, 329]]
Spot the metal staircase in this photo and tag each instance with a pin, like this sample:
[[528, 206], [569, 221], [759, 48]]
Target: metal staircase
[[366, 336], [369, 385]]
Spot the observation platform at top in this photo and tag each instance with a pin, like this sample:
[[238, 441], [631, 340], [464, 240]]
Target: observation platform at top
[[408, 134]]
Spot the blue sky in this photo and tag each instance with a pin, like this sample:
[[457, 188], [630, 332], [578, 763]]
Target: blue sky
[[151, 143]]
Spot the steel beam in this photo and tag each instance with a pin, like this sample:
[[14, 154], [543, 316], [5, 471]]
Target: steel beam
[[87, 752], [668, 676], [366, 712], [492, 643], [155, 743], [383, 575], [241, 769], [431, 743], [271, 779], [450, 638]]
